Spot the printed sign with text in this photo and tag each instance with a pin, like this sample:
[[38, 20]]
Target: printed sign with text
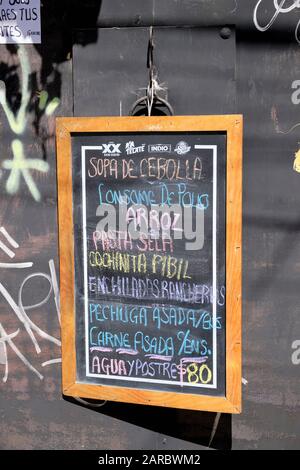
[[20, 21]]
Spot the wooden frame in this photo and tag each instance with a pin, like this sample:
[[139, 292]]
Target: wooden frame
[[232, 125]]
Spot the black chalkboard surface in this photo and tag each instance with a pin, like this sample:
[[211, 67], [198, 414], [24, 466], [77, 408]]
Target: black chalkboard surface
[[149, 237], [146, 307]]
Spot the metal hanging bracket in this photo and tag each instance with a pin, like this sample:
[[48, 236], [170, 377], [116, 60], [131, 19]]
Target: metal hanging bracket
[[152, 98]]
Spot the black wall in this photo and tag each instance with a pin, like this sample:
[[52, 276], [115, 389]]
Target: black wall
[[91, 72]]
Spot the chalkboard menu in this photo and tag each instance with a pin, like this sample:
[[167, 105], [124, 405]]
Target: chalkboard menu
[[150, 253]]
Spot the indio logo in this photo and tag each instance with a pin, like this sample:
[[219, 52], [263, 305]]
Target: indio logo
[[111, 149], [159, 148]]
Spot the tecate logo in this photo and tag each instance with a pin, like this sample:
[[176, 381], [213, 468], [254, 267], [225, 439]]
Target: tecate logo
[[182, 148], [111, 149], [131, 148], [159, 148]]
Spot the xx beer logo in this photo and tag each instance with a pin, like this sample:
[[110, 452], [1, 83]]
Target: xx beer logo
[[111, 149]]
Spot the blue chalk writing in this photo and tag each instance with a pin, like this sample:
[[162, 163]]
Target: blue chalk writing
[[189, 345]]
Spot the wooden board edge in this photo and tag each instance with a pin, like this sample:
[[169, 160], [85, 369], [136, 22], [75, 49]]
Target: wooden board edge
[[148, 124], [232, 124], [66, 251], [152, 398], [234, 263]]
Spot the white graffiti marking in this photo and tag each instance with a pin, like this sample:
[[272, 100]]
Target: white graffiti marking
[[20, 165], [30, 327], [6, 338], [296, 163], [6, 250], [296, 353], [10, 240], [52, 361], [281, 7], [21, 312], [16, 265]]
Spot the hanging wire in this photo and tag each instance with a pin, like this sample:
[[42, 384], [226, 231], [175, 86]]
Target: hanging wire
[[152, 99], [91, 405]]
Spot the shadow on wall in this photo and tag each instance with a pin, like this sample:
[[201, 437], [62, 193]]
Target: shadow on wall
[[45, 80], [45, 88]]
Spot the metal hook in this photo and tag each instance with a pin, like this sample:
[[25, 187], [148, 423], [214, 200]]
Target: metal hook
[[150, 49], [157, 102], [151, 96]]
